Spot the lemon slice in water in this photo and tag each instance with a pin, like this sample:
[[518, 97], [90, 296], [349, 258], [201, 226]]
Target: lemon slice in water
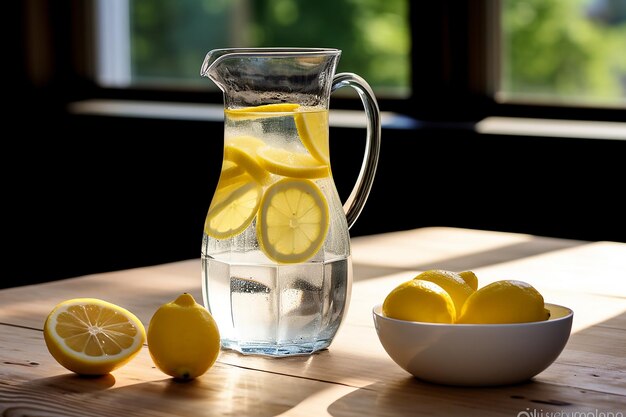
[[262, 111], [280, 161], [312, 128], [232, 209], [293, 221], [242, 151]]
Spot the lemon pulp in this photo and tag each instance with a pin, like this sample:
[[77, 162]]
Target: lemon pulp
[[90, 336], [312, 128], [233, 208], [293, 220]]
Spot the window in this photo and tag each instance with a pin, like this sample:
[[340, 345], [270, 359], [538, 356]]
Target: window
[[161, 43], [455, 59], [564, 52]]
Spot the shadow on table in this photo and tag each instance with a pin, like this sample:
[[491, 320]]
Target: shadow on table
[[364, 270], [224, 390], [414, 397]]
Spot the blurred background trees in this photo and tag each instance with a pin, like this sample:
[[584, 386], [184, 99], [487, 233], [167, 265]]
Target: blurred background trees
[[555, 50]]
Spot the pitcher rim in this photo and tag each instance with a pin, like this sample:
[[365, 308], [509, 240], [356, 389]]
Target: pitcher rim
[[264, 51], [279, 50]]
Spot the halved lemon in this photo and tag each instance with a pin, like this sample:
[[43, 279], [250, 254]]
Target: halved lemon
[[91, 336], [233, 208], [256, 112], [291, 164], [312, 128], [293, 221], [242, 151]]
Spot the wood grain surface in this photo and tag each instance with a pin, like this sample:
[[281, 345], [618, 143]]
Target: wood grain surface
[[354, 377]]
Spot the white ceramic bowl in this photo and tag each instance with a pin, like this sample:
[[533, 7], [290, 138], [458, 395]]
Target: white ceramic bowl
[[475, 354]]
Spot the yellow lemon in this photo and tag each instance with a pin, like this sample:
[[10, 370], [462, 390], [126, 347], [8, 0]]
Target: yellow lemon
[[293, 221], [233, 207], [418, 300], [451, 282], [242, 150], [312, 128], [89, 336], [280, 161], [262, 111], [506, 301], [470, 279], [183, 338], [231, 173]]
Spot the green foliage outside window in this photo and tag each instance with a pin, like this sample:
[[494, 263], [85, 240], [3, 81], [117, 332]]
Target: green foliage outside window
[[169, 38], [565, 50], [552, 49]]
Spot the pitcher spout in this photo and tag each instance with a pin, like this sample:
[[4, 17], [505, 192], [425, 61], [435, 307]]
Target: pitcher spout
[[210, 63]]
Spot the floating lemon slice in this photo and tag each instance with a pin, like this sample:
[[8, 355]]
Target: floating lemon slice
[[293, 221], [312, 128], [231, 173], [242, 151], [257, 112], [92, 337], [232, 209], [291, 164]]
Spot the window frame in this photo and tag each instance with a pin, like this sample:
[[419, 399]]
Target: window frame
[[459, 60]]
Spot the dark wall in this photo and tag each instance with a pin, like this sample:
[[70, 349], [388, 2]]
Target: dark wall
[[92, 194]]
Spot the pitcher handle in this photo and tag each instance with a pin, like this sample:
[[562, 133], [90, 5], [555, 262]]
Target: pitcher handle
[[356, 201]]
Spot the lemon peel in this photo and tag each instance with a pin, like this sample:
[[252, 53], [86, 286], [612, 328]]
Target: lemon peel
[[183, 338]]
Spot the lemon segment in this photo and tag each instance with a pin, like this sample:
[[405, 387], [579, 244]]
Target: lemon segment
[[506, 301], [293, 221], [291, 164], [262, 111], [183, 338], [312, 128], [232, 209], [242, 151], [89, 336], [419, 300], [451, 282]]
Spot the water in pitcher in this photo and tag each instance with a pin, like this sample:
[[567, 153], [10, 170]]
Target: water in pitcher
[[275, 257]]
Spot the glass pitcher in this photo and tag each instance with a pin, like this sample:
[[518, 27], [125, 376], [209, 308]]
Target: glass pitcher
[[276, 264]]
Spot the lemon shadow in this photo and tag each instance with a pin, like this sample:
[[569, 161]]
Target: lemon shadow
[[72, 383]]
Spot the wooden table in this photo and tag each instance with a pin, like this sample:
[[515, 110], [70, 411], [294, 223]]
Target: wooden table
[[354, 377]]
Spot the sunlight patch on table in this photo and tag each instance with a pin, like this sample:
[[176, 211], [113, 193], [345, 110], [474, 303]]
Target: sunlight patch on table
[[427, 245]]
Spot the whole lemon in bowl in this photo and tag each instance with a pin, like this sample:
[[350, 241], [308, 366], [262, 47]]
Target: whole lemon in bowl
[[451, 282], [418, 300], [183, 338], [506, 301]]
